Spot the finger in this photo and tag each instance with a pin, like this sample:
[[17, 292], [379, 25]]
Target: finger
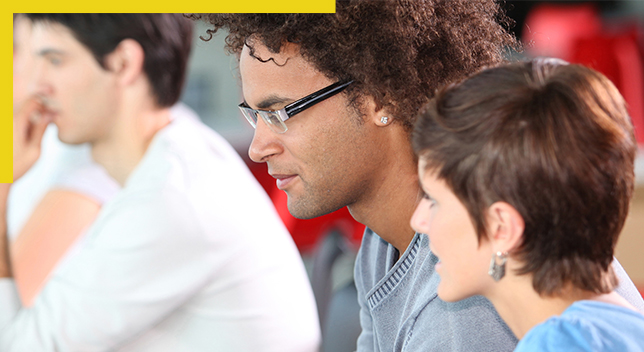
[[37, 129], [29, 110], [23, 115], [35, 117]]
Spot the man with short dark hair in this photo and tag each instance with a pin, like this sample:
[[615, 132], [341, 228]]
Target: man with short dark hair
[[172, 262], [332, 98]]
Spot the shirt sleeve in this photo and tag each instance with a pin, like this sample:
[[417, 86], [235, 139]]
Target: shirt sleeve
[[90, 180], [556, 335], [143, 257]]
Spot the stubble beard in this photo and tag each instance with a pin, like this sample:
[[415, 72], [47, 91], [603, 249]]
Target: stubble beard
[[313, 205]]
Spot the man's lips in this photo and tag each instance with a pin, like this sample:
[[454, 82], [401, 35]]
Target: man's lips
[[50, 105], [283, 180]]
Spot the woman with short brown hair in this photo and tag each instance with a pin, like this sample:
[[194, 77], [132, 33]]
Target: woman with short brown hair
[[540, 157]]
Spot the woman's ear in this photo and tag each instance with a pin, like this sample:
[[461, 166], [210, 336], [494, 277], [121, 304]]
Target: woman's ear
[[505, 227], [126, 61]]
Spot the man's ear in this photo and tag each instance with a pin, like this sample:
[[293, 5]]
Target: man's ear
[[505, 227], [372, 113], [126, 61]]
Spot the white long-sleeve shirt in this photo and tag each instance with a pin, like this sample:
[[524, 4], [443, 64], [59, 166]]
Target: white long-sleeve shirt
[[189, 256]]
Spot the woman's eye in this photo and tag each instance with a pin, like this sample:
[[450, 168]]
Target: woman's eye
[[429, 199], [55, 61]]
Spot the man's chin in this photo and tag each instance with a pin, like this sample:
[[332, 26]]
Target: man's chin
[[305, 209], [69, 139]]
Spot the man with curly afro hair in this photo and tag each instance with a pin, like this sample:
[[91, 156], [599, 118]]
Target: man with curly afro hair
[[333, 98]]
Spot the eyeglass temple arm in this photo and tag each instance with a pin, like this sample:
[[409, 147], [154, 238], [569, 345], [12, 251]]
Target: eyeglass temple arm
[[315, 98]]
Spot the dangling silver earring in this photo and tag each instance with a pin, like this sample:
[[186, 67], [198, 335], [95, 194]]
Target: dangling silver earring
[[384, 120], [497, 270]]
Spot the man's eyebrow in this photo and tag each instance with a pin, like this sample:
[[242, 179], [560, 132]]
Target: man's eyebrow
[[272, 101], [49, 51]]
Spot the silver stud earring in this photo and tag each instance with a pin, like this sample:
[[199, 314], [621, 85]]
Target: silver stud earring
[[497, 270], [384, 120]]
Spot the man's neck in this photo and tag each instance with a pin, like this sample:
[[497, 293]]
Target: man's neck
[[124, 148], [388, 207]]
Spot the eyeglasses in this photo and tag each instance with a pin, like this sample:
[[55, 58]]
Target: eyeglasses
[[275, 118]]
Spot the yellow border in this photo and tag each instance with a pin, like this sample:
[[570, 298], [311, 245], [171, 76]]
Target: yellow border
[[6, 129], [247, 6], [240, 6]]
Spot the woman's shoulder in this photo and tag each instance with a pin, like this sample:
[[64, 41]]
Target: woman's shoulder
[[588, 326]]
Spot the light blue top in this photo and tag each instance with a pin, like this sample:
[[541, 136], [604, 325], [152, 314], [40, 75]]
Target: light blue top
[[588, 326]]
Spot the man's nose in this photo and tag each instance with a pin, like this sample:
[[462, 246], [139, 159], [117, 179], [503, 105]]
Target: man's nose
[[39, 83], [265, 143]]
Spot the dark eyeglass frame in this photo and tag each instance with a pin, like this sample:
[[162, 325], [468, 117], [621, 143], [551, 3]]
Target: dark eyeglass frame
[[275, 118]]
